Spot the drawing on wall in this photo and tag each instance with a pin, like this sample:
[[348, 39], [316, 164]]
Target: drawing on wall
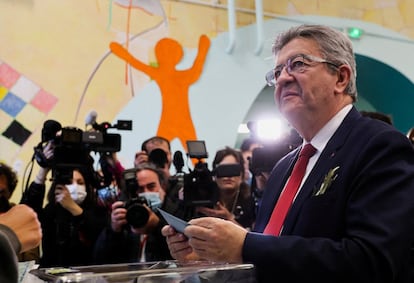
[[175, 121], [24, 106], [152, 7], [149, 7]]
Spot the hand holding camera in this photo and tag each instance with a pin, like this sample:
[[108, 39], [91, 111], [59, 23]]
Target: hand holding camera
[[136, 213], [140, 157], [118, 216]]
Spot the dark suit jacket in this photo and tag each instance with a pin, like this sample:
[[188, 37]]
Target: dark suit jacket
[[125, 246], [361, 229]]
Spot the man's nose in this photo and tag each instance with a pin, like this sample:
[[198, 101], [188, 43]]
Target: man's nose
[[284, 75]]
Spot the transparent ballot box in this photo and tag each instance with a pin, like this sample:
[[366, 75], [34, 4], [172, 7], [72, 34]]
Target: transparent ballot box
[[150, 272]]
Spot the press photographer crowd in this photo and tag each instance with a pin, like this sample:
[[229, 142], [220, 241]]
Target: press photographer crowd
[[329, 202], [108, 214]]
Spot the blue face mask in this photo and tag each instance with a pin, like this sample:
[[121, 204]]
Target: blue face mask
[[153, 199]]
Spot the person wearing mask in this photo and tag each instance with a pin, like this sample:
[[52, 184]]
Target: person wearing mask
[[157, 150], [20, 231], [72, 219], [337, 209], [134, 234], [235, 200]]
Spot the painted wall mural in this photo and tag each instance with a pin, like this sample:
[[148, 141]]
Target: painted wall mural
[[23, 106], [176, 120], [56, 63]]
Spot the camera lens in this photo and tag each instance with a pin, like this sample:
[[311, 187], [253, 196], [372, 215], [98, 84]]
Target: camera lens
[[158, 157], [137, 215]]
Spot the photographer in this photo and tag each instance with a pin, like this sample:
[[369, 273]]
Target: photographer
[[135, 231], [157, 150], [235, 200], [71, 220]]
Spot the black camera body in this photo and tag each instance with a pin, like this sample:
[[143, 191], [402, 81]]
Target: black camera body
[[265, 158], [137, 214], [73, 146], [69, 153], [158, 157], [199, 187]]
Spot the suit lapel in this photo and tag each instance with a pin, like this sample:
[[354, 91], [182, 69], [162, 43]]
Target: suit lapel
[[326, 161]]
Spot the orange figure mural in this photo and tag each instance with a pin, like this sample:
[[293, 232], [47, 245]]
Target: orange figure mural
[[175, 119]]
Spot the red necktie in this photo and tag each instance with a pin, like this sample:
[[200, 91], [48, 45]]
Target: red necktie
[[285, 200]]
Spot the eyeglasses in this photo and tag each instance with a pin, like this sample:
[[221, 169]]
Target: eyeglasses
[[296, 64]]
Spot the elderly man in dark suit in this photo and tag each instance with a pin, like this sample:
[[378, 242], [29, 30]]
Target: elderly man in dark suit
[[351, 219]]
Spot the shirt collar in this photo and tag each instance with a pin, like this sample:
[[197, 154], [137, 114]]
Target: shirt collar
[[320, 140]]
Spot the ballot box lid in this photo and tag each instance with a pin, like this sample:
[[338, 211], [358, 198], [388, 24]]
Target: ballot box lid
[[150, 272]]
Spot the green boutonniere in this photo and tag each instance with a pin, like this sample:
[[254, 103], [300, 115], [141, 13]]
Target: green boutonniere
[[327, 181]]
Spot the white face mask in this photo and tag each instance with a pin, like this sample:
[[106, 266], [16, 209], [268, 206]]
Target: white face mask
[[77, 192], [153, 199]]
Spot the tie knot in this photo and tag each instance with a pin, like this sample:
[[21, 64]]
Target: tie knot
[[308, 150]]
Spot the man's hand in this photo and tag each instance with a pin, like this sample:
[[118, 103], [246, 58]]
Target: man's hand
[[118, 216], [216, 239], [140, 157], [25, 224], [178, 244]]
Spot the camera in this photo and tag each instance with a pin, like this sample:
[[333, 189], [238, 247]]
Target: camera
[[199, 187], [265, 158], [69, 153], [72, 147], [158, 157], [137, 214], [227, 170]]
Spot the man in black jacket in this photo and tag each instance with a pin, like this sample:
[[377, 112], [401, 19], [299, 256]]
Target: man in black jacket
[[135, 231], [352, 217]]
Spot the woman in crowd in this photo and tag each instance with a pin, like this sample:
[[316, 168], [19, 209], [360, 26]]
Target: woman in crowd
[[71, 220], [235, 200]]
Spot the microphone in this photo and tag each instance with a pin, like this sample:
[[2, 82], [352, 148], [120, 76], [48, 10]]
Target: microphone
[[178, 161], [90, 119], [49, 130]]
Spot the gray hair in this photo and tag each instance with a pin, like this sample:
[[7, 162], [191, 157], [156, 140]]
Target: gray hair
[[334, 45]]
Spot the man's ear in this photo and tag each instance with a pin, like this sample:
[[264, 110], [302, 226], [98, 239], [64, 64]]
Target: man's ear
[[344, 76]]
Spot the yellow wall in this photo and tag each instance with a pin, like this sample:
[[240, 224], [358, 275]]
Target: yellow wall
[[59, 44]]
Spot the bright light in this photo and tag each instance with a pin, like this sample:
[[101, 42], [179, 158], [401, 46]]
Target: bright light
[[354, 33], [243, 129], [271, 129]]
